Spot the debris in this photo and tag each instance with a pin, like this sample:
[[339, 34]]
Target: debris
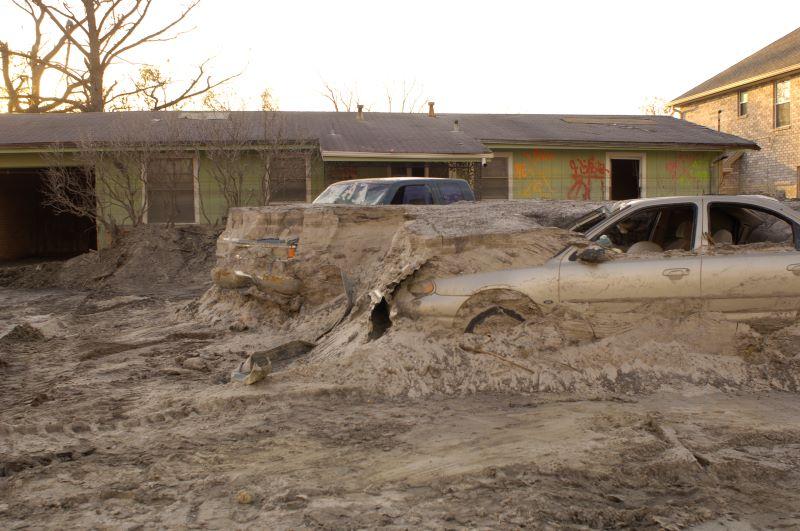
[[23, 333], [197, 364], [244, 498]]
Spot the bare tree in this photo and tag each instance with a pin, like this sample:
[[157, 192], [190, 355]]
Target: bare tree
[[343, 100], [656, 107], [268, 102], [407, 97], [106, 181], [242, 146], [91, 38], [399, 97]]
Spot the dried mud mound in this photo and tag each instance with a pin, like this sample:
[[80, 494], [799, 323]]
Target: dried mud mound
[[149, 259], [347, 257], [560, 353]]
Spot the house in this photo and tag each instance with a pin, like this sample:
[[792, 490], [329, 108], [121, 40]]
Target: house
[[190, 167], [757, 98]]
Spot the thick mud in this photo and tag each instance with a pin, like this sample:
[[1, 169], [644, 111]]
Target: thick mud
[[117, 409]]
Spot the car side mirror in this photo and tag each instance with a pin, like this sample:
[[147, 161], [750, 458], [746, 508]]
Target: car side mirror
[[593, 255]]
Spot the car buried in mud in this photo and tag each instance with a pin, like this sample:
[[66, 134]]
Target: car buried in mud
[[397, 191], [737, 255]]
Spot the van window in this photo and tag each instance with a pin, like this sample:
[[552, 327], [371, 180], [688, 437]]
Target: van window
[[452, 192], [413, 194]]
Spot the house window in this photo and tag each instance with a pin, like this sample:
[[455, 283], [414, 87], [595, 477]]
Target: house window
[[494, 178], [782, 103], [170, 190], [288, 179], [743, 103]]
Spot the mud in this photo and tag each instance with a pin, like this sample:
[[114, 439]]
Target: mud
[[122, 414]]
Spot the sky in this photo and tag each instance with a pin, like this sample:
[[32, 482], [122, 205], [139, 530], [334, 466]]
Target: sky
[[500, 56]]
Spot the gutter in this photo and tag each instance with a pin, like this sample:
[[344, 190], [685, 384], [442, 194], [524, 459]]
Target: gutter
[[344, 156], [643, 146], [734, 85]]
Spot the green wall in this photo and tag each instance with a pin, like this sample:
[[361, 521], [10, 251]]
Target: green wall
[[582, 174]]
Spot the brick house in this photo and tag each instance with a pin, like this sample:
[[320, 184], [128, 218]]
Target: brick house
[[757, 98]]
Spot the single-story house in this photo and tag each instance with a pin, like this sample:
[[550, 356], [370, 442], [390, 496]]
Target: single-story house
[[189, 167]]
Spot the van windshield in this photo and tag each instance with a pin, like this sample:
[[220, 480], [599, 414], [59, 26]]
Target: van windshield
[[354, 194]]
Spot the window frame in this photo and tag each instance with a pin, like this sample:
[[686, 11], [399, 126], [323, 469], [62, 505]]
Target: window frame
[[742, 98], [193, 157], [776, 104]]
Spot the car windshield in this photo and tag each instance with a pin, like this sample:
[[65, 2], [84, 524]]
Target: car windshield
[[586, 222], [354, 194]]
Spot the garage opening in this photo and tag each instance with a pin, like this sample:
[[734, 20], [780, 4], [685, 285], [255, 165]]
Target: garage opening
[[30, 230], [625, 182]]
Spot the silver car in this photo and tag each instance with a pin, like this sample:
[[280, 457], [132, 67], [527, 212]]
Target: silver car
[[734, 254]]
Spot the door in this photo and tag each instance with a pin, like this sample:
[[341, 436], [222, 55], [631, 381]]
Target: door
[[641, 270], [625, 179], [495, 178], [752, 264]]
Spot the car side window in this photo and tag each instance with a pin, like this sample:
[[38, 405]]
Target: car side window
[[413, 194], [731, 224], [451, 192], [652, 230]]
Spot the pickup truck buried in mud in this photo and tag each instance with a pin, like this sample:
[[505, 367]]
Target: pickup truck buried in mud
[[738, 255]]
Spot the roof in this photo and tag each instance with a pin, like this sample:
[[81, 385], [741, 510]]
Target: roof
[[377, 135], [780, 57]]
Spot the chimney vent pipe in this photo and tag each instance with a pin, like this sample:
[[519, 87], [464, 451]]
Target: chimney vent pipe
[[456, 126], [360, 114], [431, 112]]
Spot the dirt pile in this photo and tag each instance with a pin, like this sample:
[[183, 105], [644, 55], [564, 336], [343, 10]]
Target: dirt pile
[[23, 333], [145, 260], [659, 351]]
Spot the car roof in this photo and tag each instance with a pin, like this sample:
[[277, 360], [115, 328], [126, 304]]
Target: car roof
[[762, 200], [404, 180]]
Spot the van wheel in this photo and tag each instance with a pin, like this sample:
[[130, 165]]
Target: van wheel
[[495, 311]]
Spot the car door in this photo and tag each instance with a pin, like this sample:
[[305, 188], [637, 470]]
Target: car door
[[752, 261], [629, 280], [413, 194]]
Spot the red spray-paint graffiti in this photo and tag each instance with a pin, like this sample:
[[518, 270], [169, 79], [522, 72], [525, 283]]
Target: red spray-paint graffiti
[[584, 172]]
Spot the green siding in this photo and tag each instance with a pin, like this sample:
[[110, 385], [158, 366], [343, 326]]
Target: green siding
[[582, 174]]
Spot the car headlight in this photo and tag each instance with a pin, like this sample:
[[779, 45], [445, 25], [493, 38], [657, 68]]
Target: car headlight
[[424, 287]]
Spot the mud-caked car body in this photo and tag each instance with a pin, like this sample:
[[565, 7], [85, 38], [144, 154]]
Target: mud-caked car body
[[739, 255]]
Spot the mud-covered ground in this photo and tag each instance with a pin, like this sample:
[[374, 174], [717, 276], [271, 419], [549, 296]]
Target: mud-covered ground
[[116, 409], [120, 417]]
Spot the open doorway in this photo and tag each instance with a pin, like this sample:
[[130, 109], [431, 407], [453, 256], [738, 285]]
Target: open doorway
[[625, 179], [31, 230]]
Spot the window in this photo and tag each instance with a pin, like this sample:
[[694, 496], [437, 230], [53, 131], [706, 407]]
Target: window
[[652, 230], [287, 176], [732, 224], [452, 192], [743, 103], [170, 191], [782, 103], [413, 195], [494, 179]]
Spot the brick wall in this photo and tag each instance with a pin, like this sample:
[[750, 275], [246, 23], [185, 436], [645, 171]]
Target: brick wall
[[774, 169]]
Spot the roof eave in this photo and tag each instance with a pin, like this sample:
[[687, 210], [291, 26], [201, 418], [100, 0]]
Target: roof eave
[[735, 85], [681, 146], [343, 156]]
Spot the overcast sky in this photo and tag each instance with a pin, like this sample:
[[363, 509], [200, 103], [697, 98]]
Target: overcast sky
[[469, 56]]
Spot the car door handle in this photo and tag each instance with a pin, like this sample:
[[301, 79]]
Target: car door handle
[[676, 272], [794, 268]]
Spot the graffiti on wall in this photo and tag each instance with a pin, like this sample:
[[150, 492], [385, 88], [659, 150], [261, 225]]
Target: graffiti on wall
[[584, 173], [686, 170]]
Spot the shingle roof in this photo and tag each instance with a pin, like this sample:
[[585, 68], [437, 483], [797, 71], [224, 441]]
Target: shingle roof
[[378, 133], [781, 55]]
